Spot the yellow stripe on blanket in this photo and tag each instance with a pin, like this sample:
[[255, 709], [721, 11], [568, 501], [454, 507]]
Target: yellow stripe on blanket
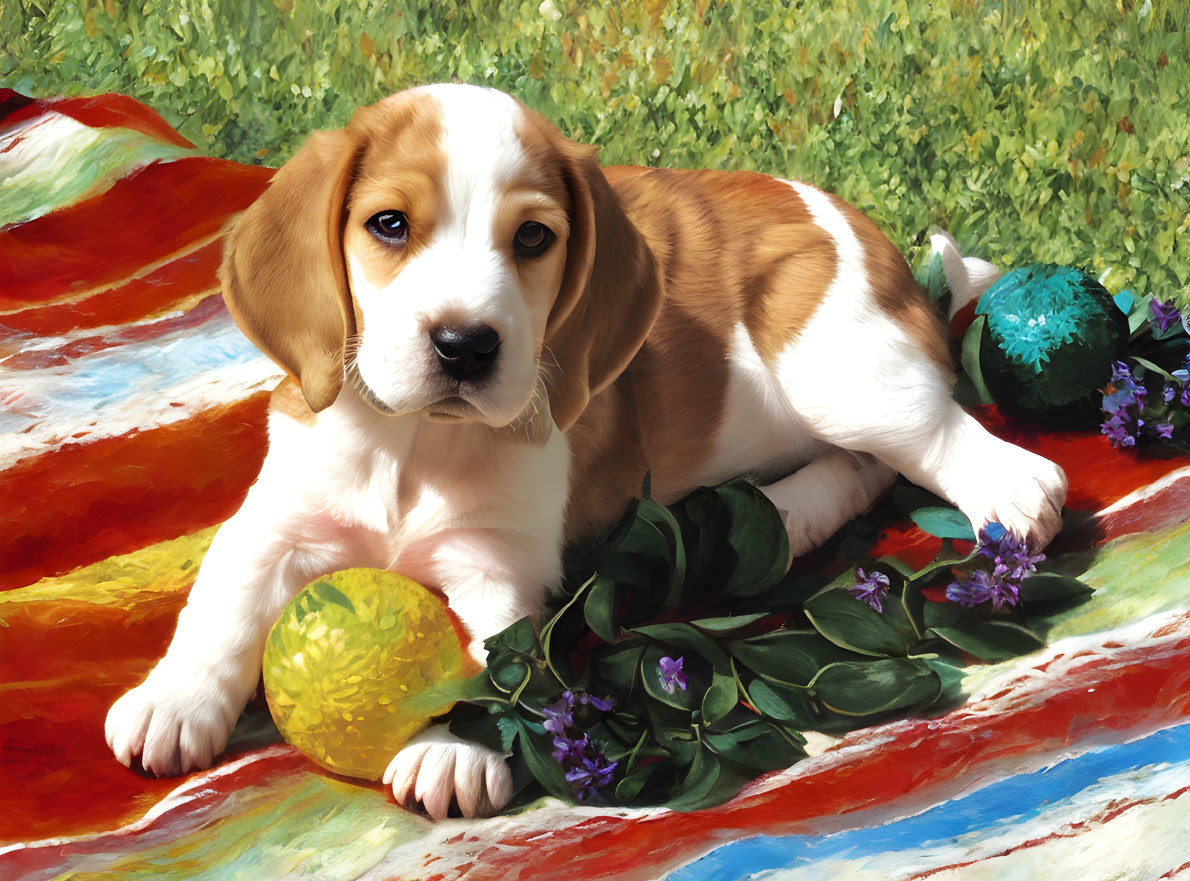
[[122, 581]]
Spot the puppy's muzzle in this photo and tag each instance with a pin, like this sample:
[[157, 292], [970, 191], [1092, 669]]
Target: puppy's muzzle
[[466, 354]]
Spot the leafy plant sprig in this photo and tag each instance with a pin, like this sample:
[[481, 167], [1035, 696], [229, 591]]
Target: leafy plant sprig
[[688, 660], [1148, 396]]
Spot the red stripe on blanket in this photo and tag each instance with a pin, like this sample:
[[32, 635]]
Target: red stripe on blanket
[[1099, 475], [162, 210], [65, 666], [85, 502], [205, 310], [100, 111], [1134, 690], [184, 277]]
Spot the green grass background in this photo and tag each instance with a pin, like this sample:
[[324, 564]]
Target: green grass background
[[1048, 130]]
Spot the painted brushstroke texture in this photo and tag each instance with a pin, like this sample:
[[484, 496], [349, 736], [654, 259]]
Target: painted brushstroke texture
[[51, 257], [1005, 826], [86, 501], [172, 285], [101, 111], [135, 421], [55, 160]]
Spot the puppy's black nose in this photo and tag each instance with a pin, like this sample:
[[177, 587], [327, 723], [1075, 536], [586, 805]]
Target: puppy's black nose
[[466, 353]]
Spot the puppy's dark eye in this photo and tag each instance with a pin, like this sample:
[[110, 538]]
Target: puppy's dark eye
[[391, 227], [532, 238]]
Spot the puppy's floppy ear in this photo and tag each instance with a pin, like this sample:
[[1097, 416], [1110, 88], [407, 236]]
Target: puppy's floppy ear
[[283, 273], [610, 292]]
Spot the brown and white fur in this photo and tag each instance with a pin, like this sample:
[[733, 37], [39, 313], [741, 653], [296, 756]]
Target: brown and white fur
[[696, 324]]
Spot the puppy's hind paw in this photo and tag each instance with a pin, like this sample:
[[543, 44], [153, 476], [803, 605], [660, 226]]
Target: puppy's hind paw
[[436, 767], [1024, 494]]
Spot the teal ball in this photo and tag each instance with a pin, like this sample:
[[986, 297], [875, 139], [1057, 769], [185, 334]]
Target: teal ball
[[1051, 335]]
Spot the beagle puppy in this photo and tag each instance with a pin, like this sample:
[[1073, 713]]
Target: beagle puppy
[[491, 339]]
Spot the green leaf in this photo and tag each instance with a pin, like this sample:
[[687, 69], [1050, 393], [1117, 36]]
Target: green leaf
[[540, 761], [483, 728], [990, 640], [758, 745], [943, 523], [508, 733], [792, 656], [518, 637], [687, 637], [758, 537], [616, 671], [970, 359], [599, 609], [629, 788], [951, 676], [862, 688], [782, 704], [509, 676], [1137, 320], [698, 784], [728, 623], [720, 698], [1048, 591], [854, 625], [687, 699], [935, 281], [1149, 365]]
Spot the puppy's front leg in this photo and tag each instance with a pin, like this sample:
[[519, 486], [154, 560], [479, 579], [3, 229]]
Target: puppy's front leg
[[180, 717], [492, 578]]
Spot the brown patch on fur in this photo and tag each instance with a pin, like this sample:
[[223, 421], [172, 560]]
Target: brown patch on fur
[[287, 398], [402, 168], [730, 248], [609, 293], [897, 292], [607, 463], [283, 271]]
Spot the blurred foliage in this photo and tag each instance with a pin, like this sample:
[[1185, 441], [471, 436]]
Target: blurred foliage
[[1055, 131]]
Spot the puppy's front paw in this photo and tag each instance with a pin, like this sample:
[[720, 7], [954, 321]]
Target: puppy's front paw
[[436, 766], [175, 725], [1023, 492]]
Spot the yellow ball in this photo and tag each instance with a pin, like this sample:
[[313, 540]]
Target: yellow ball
[[358, 663]]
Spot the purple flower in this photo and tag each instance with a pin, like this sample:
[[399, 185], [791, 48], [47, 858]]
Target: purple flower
[[672, 677], [970, 592], [1010, 555], [1120, 371], [584, 764], [1123, 402], [599, 703], [980, 588], [566, 747], [1165, 314], [589, 774], [560, 715], [1012, 562], [1165, 430], [871, 589], [1168, 392]]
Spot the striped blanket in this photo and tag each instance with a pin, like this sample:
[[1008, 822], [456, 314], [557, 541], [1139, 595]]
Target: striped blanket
[[132, 420]]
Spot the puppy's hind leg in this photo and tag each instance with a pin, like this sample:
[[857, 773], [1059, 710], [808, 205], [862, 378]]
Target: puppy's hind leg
[[900, 410], [819, 498]]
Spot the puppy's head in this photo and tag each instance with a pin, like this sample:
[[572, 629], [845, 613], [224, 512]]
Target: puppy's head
[[448, 252]]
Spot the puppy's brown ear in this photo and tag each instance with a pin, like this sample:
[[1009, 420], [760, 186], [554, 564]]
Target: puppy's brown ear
[[283, 273], [609, 296]]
